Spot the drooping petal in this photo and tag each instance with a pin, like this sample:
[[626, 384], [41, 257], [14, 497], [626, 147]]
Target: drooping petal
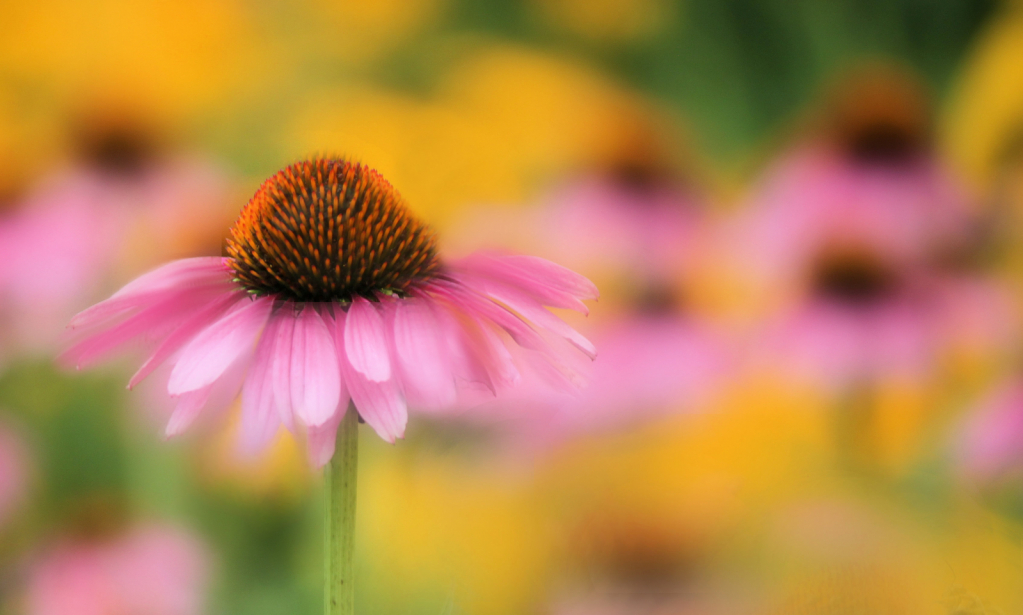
[[380, 404], [177, 274], [321, 441], [365, 341], [546, 348], [315, 375], [478, 352], [187, 409], [548, 283], [260, 420], [482, 308], [213, 350], [151, 321], [543, 272], [280, 368], [422, 353], [182, 276], [180, 336], [533, 311]]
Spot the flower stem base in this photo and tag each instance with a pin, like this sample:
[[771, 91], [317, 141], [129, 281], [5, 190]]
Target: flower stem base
[[339, 519]]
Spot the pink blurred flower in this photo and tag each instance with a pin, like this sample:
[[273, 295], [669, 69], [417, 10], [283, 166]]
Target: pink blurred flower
[[990, 445], [648, 229], [84, 227], [855, 326], [650, 365], [153, 570], [13, 473], [817, 200], [332, 298], [866, 179], [849, 235]]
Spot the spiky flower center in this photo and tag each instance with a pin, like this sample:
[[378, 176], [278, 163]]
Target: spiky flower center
[[329, 229]]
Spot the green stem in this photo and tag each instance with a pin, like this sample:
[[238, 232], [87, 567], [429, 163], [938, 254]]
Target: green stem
[[339, 519]]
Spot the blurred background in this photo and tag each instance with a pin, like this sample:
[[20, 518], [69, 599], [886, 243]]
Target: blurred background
[[803, 218]]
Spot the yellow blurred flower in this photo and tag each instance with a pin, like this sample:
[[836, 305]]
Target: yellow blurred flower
[[364, 31], [28, 141], [984, 122], [466, 536], [173, 57]]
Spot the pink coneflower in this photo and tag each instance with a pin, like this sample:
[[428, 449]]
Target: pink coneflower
[[331, 295], [868, 177], [851, 233], [332, 292], [857, 320], [627, 225], [153, 570]]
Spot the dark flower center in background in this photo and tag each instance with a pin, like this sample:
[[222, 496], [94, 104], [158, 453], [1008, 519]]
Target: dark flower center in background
[[123, 149], [658, 299], [96, 516], [880, 117], [883, 144], [853, 280], [634, 555], [636, 177], [329, 229]]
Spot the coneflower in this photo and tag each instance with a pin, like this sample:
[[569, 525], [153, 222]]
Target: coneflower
[[333, 301]]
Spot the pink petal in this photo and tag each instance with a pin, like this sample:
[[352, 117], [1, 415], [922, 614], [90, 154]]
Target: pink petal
[[280, 370], [184, 275], [480, 352], [482, 308], [422, 355], [187, 409], [531, 310], [547, 282], [379, 403], [321, 440], [315, 375], [213, 350], [366, 341], [259, 420], [182, 272], [153, 321], [184, 333]]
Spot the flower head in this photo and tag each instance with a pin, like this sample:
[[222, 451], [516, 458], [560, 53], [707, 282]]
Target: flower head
[[331, 291]]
